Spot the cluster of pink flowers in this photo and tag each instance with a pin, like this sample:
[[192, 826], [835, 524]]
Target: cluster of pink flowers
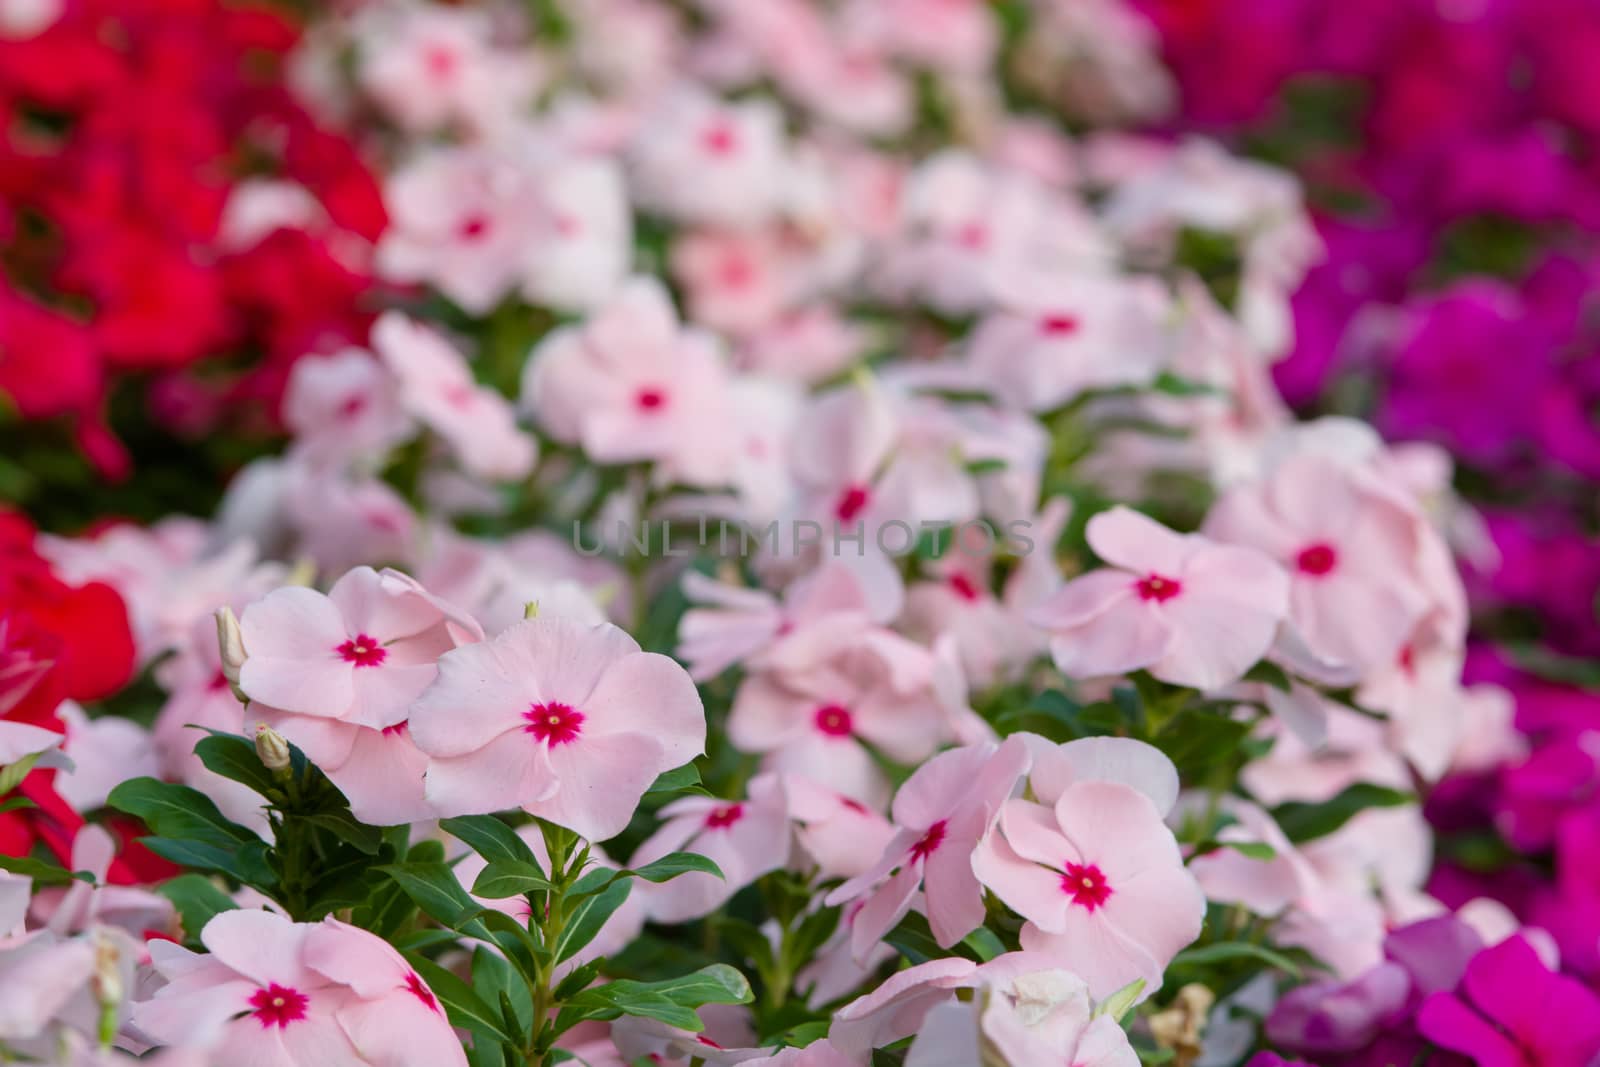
[[806, 563]]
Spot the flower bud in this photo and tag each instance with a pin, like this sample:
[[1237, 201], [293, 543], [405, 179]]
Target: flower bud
[[530, 610], [230, 642], [107, 980], [272, 750]]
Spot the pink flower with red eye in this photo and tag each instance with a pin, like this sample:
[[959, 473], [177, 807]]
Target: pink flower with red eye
[[568, 721], [698, 159], [941, 813], [272, 991], [1099, 878], [344, 406], [437, 387], [1190, 610], [744, 838], [379, 771], [360, 655], [842, 836], [1356, 550], [819, 722], [633, 385]]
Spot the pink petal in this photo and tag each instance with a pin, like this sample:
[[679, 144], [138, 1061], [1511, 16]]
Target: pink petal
[[1131, 635], [263, 947], [1116, 828], [644, 692], [601, 781], [511, 771], [1135, 542]]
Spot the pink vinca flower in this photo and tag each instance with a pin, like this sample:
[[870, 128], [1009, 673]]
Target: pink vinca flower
[[379, 771], [1034, 1018], [437, 387], [361, 654], [744, 838], [1092, 866], [821, 723], [1351, 550], [1192, 611], [633, 385], [841, 835], [942, 811], [568, 721], [286, 994]]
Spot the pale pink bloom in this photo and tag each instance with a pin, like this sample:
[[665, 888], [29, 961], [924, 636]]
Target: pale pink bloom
[[276, 992], [633, 385], [962, 221], [849, 81], [47, 989], [339, 522], [462, 220], [1054, 338], [898, 1007], [359, 654], [81, 905], [834, 970], [432, 68], [199, 699], [1267, 887], [953, 36], [581, 254], [570, 722], [344, 407], [380, 771], [806, 345], [21, 19], [744, 838], [497, 579], [437, 387], [755, 628], [1421, 693], [105, 752], [818, 723], [19, 740], [726, 1039], [1190, 610], [1099, 59], [1489, 737], [1353, 750], [620, 930], [842, 836], [1099, 878], [941, 813], [258, 207], [1351, 549], [1034, 1018], [736, 281], [699, 159], [628, 45], [1054, 768], [765, 411]]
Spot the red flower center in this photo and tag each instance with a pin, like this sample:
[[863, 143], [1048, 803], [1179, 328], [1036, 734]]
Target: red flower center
[[724, 817], [415, 987], [472, 227], [834, 720], [929, 841], [397, 730], [363, 650], [973, 236], [1059, 325], [1086, 885], [352, 406], [650, 398], [1158, 587], [1317, 559], [965, 587], [736, 271], [720, 138], [441, 61], [852, 502], [278, 1005], [554, 723]]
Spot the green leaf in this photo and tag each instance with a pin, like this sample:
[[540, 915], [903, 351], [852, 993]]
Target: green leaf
[[12, 774], [607, 1002], [1255, 850], [347, 828], [235, 758], [984, 942], [434, 888], [463, 1006], [1122, 1001], [244, 862], [670, 866], [1269, 673], [914, 940], [1305, 822], [178, 812], [198, 900], [678, 780], [16, 804], [41, 872], [510, 878], [588, 916], [492, 839], [1228, 951]]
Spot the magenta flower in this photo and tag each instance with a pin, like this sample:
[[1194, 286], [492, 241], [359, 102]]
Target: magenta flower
[[1512, 1011], [1192, 611], [567, 721], [276, 993]]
